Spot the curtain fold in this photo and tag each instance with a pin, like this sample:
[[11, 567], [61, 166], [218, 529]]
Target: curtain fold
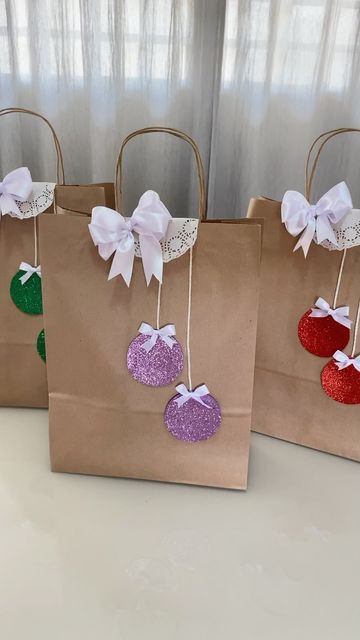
[[290, 71], [253, 81]]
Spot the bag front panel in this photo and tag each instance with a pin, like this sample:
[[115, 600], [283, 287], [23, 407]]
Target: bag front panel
[[23, 379], [101, 420], [289, 401], [22, 371]]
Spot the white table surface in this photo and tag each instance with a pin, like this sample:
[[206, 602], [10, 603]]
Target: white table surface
[[85, 558]]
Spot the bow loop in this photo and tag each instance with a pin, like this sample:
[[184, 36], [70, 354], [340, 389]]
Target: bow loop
[[112, 233], [343, 361], [186, 394], [322, 309], [315, 221], [166, 334], [16, 186], [29, 271]]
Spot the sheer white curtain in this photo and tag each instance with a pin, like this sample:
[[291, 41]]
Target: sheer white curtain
[[290, 71], [252, 80]]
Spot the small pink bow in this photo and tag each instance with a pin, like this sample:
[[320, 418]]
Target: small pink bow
[[186, 394], [323, 309], [165, 334]]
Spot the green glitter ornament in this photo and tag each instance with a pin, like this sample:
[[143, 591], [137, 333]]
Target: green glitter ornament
[[40, 345], [27, 297]]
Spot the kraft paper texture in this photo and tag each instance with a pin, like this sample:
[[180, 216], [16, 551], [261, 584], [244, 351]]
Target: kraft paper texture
[[22, 372], [102, 422], [289, 402]]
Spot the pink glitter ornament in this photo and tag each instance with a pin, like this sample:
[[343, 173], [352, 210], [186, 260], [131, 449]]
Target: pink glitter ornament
[[155, 357], [192, 416]]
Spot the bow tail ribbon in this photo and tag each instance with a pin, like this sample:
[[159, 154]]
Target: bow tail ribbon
[[8, 205], [149, 344], [306, 238], [324, 230], [122, 263], [186, 395], [168, 340], [152, 257]]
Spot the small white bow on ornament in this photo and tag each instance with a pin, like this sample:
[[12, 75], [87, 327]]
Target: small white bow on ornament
[[16, 186], [323, 309], [315, 220], [165, 334], [186, 394], [343, 361], [29, 271], [112, 233]]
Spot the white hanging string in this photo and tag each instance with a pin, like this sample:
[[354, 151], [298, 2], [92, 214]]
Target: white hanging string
[[188, 323], [158, 307], [339, 278], [35, 243], [188, 354], [356, 329]]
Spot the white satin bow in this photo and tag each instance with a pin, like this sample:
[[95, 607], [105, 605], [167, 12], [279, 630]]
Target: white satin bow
[[17, 185], [164, 334], [111, 232], [186, 395], [343, 361], [315, 220], [29, 271], [323, 309]]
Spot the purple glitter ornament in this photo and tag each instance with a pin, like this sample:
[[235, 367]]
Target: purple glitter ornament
[[192, 419], [156, 365]]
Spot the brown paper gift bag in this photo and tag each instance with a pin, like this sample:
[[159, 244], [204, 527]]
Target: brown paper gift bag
[[289, 402], [102, 421], [23, 380], [22, 371]]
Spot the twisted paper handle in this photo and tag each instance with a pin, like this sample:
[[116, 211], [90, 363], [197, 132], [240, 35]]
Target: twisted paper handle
[[60, 174], [173, 132]]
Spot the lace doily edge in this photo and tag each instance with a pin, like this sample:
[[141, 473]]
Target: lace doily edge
[[180, 237], [42, 198]]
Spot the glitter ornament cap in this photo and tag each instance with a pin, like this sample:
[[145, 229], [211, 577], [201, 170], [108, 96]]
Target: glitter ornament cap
[[322, 336], [27, 296], [155, 357], [340, 379], [192, 416]]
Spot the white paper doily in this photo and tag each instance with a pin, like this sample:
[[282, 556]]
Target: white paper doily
[[347, 232], [181, 235], [41, 198]]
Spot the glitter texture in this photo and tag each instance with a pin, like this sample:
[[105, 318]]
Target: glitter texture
[[40, 345], [322, 336], [341, 385], [27, 297], [161, 366], [192, 421]]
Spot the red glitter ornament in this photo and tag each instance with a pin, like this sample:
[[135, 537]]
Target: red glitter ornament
[[342, 383], [322, 336]]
